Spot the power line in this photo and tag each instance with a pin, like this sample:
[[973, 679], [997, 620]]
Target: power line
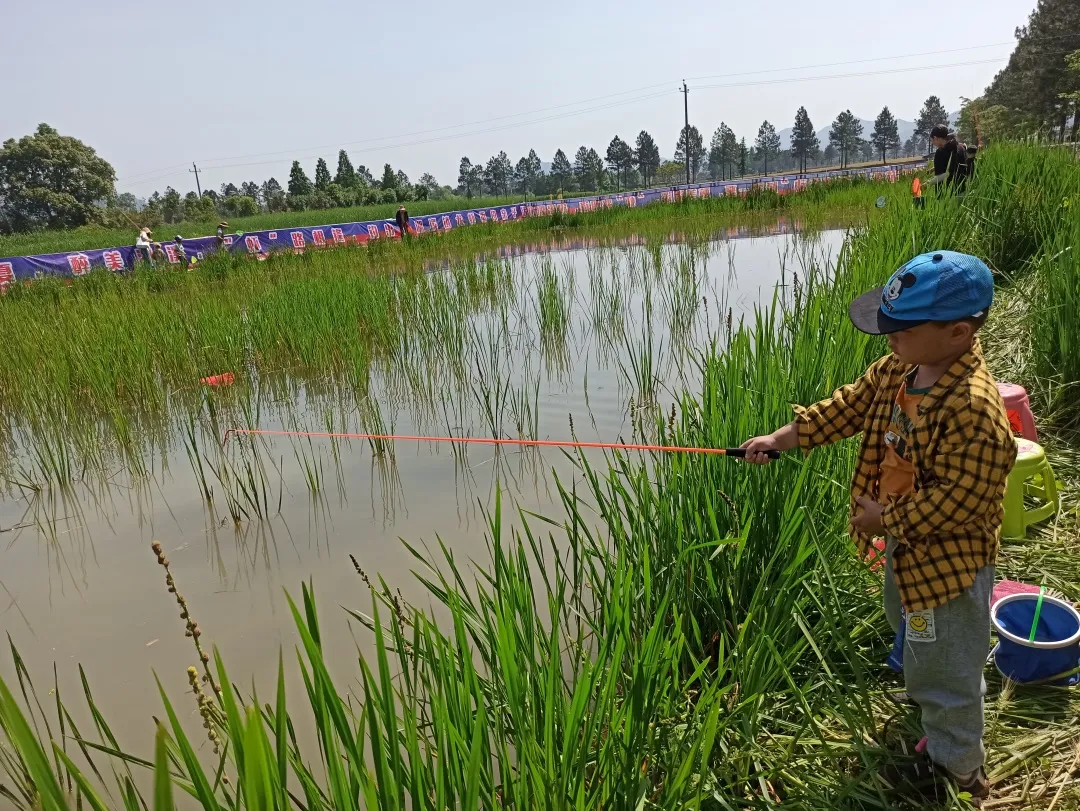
[[883, 72], [563, 106]]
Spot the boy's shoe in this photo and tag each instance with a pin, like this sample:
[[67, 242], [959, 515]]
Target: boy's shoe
[[921, 776]]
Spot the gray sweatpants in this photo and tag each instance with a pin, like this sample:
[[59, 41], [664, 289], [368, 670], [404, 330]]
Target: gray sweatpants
[[945, 653]]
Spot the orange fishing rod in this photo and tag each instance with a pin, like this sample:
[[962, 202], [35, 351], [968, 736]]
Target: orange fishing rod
[[529, 443]]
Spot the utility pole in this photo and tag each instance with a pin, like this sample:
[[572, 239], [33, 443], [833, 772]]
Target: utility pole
[[196, 171], [686, 129]]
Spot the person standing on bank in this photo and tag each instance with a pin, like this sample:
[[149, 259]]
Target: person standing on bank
[[950, 160], [936, 452], [144, 248], [402, 220]]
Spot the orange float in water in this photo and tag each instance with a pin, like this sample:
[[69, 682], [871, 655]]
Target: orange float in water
[[223, 379]]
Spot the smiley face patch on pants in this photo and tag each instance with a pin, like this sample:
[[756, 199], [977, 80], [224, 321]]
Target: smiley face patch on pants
[[920, 626]]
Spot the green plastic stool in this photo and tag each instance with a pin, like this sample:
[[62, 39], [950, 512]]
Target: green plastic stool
[[1031, 477]]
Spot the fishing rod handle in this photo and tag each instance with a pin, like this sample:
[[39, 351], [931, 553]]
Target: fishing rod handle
[[740, 453]]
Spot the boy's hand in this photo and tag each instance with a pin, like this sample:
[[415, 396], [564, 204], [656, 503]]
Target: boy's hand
[[784, 439], [757, 449], [869, 520]]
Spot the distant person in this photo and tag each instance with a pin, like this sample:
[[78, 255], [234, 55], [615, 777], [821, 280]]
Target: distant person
[[181, 252], [972, 153], [222, 227], [950, 160], [402, 220], [144, 248], [157, 253]]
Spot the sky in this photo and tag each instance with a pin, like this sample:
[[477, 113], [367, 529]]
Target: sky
[[243, 88]]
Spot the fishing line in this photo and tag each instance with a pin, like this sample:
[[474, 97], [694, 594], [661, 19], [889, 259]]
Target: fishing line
[[738, 453]]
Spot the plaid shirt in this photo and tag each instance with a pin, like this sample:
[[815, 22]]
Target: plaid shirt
[[962, 449]]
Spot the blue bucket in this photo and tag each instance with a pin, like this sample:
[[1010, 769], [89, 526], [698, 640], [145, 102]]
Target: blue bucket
[[1056, 648]]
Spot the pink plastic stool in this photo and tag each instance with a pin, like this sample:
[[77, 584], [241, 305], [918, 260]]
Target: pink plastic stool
[[1018, 408]]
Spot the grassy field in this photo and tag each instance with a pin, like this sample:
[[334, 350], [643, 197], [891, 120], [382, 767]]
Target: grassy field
[[687, 633]]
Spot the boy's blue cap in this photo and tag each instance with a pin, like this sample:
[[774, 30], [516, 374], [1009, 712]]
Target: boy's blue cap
[[938, 286]]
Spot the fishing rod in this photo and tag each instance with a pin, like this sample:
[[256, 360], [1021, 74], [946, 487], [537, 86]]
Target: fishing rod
[[738, 453]]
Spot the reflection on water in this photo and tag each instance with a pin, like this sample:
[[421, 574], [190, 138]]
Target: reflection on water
[[569, 341]]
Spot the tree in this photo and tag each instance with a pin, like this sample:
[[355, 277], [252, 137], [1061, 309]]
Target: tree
[[428, 181], [273, 196], [465, 178], [389, 179], [126, 201], [172, 205], [886, 134], [583, 173], [933, 113], [805, 145], [401, 180], [364, 176], [345, 175], [322, 175], [595, 166], [722, 152], [845, 136], [562, 173], [1032, 85], [229, 190], [528, 171], [646, 156], [831, 154], [250, 189], [744, 154], [695, 154], [241, 206], [669, 173], [620, 157], [498, 173], [767, 143], [299, 185], [51, 180]]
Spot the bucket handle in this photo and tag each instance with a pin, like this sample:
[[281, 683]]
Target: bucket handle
[[1038, 610]]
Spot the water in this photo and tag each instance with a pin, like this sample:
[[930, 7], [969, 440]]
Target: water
[[600, 339]]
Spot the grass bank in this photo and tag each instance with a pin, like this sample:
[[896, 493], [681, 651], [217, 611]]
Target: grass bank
[[89, 237], [687, 633]]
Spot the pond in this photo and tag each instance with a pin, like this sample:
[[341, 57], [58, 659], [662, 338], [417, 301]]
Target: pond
[[594, 343]]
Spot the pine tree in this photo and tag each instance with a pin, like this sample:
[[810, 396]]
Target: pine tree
[[744, 154], [322, 175], [845, 136], [562, 173], [389, 179], [346, 175], [932, 114], [299, 185], [767, 143], [805, 145], [695, 154], [465, 176], [886, 134], [646, 156]]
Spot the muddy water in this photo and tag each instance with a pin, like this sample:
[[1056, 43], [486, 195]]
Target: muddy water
[[602, 339]]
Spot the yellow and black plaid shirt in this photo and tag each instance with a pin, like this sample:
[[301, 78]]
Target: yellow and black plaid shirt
[[962, 449]]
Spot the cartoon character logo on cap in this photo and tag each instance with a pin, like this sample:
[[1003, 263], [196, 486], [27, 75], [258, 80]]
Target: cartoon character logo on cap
[[899, 283]]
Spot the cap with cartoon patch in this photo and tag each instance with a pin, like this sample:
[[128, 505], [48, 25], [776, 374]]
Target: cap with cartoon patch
[[938, 286]]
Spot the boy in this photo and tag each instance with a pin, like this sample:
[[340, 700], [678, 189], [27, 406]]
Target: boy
[[936, 451]]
